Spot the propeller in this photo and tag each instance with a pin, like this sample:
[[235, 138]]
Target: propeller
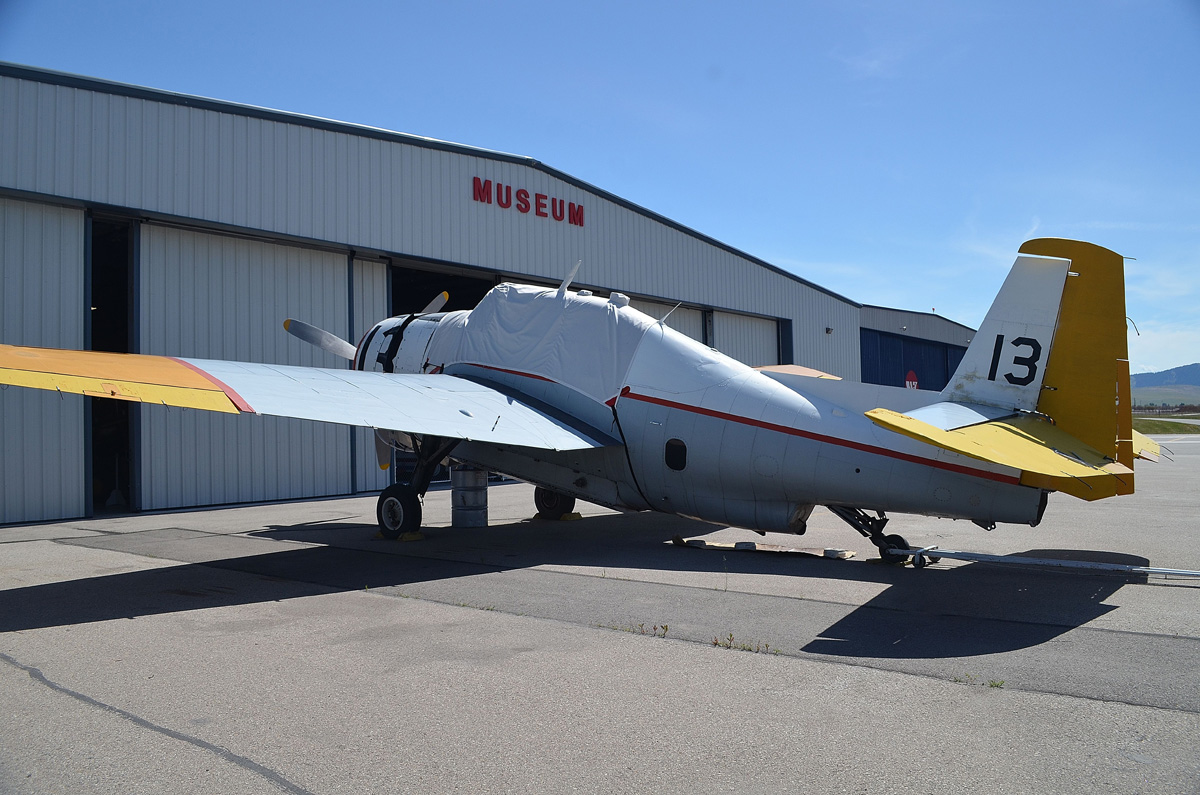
[[335, 344], [437, 303], [320, 337], [386, 441]]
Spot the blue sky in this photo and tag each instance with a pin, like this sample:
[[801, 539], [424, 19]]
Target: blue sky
[[897, 153]]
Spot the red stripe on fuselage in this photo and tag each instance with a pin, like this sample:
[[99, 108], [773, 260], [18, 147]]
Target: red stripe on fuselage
[[626, 392], [866, 448]]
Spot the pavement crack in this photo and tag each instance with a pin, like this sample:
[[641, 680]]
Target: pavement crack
[[237, 759]]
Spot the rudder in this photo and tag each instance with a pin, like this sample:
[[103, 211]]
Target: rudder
[[1086, 386]]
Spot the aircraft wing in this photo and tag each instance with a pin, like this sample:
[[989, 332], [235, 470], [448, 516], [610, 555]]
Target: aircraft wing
[[437, 405], [1047, 456]]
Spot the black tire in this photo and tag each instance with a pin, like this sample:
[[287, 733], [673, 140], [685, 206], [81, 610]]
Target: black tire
[[893, 542], [398, 511], [551, 504]]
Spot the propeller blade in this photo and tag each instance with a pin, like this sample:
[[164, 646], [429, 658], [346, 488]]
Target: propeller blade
[[437, 303], [320, 337], [383, 452], [386, 441]]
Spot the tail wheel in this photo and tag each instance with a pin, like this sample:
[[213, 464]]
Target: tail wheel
[[398, 511], [551, 504]]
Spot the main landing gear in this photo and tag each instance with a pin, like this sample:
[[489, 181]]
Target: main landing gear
[[551, 504], [399, 508], [871, 527]]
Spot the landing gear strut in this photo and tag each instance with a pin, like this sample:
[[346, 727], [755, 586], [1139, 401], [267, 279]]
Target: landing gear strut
[[399, 508], [871, 528]]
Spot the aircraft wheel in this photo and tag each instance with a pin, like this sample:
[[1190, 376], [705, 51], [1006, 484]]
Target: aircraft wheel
[[893, 542], [551, 504], [398, 511]]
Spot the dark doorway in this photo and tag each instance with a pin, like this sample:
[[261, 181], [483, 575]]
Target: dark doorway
[[110, 329], [413, 289]]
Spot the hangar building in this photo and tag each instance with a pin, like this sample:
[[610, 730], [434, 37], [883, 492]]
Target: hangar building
[[138, 220], [900, 347]]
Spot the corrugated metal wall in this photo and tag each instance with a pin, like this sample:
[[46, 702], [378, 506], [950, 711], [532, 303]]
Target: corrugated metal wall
[[391, 196], [684, 320], [753, 340], [218, 297], [370, 306], [42, 450], [922, 325]]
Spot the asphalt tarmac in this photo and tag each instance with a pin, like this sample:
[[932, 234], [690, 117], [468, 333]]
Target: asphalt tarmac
[[287, 648]]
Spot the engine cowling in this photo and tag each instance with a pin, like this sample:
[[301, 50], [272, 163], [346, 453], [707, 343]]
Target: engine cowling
[[397, 345]]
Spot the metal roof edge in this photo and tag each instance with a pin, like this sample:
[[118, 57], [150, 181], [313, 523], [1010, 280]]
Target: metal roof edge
[[918, 312], [69, 80]]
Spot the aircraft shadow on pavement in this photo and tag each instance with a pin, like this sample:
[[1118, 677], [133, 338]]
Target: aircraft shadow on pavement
[[938, 612], [977, 608]]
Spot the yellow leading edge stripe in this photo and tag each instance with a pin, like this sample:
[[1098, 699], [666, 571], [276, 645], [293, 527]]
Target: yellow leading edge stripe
[[123, 376]]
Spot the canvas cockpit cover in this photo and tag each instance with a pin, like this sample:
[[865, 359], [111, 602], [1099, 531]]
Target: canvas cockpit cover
[[583, 342]]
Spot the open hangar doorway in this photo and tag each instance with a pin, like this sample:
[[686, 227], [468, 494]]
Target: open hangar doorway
[[414, 285], [112, 252]]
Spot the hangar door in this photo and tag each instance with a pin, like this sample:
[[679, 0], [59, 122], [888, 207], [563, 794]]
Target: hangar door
[[216, 297], [42, 435], [684, 320], [888, 359], [370, 306], [753, 340]]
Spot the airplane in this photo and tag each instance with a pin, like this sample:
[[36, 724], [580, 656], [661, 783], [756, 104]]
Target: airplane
[[587, 398]]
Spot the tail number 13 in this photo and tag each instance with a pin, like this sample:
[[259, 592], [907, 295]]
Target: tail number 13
[[1029, 363]]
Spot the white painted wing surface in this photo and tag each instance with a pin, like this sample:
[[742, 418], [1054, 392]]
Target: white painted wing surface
[[437, 405]]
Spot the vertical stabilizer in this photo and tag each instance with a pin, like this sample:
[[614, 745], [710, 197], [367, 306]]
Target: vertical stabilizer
[[1054, 342], [1005, 365]]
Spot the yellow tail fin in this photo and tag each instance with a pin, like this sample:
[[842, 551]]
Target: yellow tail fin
[[1086, 385]]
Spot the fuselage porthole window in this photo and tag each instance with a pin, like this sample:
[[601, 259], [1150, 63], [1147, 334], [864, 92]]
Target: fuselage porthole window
[[676, 454]]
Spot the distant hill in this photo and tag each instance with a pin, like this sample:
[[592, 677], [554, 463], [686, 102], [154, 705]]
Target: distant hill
[[1186, 395], [1187, 375], [1169, 387]]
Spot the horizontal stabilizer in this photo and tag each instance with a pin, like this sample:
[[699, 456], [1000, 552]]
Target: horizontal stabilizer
[[951, 416], [1048, 457], [1145, 448]]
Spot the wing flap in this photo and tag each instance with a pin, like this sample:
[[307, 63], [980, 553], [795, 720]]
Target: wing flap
[[1047, 456]]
